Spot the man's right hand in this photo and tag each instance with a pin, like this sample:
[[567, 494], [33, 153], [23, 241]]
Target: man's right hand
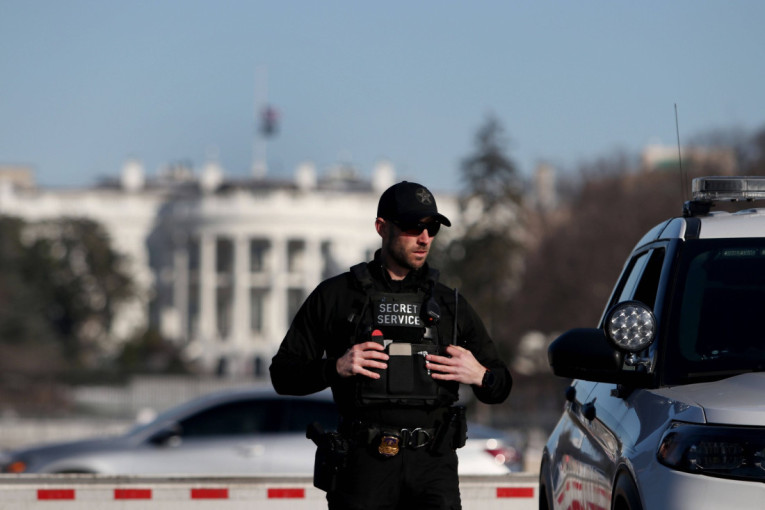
[[359, 358]]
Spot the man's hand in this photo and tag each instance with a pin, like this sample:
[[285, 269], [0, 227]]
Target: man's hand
[[461, 367], [359, 358]]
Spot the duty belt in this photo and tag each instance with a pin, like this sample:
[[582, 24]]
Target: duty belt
[[390, 440]]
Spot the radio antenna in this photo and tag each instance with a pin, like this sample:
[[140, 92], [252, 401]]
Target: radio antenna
[[680, 158]]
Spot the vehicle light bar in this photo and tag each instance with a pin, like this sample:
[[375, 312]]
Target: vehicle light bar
[[728, 188]]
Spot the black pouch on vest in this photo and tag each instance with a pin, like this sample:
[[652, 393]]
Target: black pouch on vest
[[409, 381], [406, 381], [400, 369], [423, 383], [372, 390]]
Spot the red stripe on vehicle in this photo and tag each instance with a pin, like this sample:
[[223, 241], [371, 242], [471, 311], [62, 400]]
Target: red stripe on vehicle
[[132, 493], [46, 494], [515, 492], [287, 493], [209, 493]]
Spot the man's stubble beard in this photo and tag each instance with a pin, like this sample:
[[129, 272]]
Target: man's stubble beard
[[399, 255]]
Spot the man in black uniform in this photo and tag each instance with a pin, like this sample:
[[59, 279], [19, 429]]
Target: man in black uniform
[[394, 345]]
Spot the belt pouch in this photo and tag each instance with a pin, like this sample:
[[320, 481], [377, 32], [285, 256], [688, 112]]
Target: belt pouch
[[400, 368], [442, 443], [459, 421]]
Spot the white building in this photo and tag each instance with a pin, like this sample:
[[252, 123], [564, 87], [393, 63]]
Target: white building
[[223, 264]]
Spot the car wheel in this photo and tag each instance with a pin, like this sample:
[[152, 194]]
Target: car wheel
[[626, 496], [545, 487]]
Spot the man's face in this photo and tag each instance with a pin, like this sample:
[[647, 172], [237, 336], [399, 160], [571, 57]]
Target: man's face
[[403, 247]]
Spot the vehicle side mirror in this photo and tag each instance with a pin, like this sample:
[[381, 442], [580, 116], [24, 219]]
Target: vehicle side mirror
[[608, 355], [584, 353]]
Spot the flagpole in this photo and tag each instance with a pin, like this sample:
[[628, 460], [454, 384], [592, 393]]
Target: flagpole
[[259, 152]]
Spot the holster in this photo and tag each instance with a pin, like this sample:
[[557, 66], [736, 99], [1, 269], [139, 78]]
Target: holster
[[331, 453]]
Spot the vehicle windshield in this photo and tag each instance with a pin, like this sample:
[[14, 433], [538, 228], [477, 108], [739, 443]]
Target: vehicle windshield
[[718, 311]]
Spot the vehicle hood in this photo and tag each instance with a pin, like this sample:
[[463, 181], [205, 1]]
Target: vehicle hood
[[738, 400]]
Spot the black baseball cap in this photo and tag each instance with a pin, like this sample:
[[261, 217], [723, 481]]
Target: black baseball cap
[[409, 202]]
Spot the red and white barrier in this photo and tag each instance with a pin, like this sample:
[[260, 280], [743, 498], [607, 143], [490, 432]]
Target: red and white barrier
[[86, 492]]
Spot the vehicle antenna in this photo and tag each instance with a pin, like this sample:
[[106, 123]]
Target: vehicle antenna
[[683, 189]]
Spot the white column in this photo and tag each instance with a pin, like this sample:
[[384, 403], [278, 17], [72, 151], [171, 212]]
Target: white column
[[181, 287], [277, 314], [241, 318], [207, 281], [313, 264]]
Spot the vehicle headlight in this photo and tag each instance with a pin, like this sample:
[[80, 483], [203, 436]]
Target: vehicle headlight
[[727, 452]]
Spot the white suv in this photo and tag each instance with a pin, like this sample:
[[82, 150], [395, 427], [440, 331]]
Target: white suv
[[667, 407]]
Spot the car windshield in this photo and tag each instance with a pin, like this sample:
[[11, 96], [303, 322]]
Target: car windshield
[[718, 311]]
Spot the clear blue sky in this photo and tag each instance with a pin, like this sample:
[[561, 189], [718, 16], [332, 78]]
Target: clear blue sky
[[85, 84]]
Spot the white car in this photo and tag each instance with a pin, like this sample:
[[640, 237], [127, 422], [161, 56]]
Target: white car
[[234, 432], [667, 409]]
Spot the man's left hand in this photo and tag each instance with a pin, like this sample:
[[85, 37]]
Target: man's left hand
[[461, 366]]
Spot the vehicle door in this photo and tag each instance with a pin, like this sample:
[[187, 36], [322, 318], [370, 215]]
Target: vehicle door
[[603, 416], [571, 459]]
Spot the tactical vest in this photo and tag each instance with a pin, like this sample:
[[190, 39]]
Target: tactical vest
[[406, 324]]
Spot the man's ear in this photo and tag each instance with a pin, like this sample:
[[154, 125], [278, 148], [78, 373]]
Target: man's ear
[[382, 227]]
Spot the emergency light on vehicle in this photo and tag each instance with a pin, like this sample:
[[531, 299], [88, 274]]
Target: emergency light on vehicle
[[728, 188], [631, 326]]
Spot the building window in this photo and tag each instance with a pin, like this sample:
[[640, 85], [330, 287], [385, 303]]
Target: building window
[[295, 298], [193, 250], [259, 249], [330, 266], [257, 309], [223, 310], [193, 311], [222, 368], [224, 256], [295, 256], [258, 367]]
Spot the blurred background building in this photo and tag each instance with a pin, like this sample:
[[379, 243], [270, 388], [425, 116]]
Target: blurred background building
[[221, 265]]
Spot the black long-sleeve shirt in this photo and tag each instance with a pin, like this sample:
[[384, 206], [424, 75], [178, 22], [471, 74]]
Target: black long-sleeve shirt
[[321, 332]]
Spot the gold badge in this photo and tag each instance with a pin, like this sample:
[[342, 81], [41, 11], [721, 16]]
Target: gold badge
[[388, 446]]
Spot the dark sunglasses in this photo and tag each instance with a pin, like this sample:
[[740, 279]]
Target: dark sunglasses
[[416, 228]]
